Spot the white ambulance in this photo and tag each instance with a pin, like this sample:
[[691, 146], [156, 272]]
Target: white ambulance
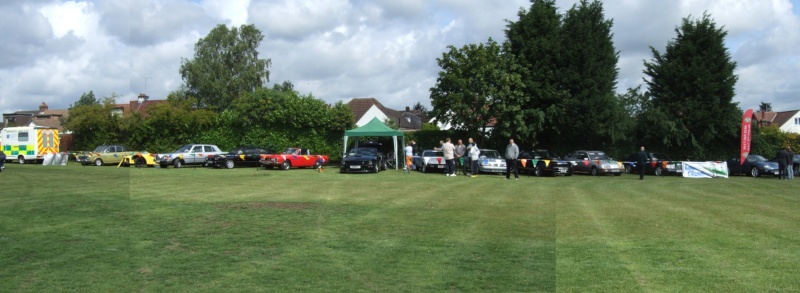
[[27, 144]]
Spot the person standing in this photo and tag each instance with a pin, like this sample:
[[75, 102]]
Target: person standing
[[461, 151], [2, 160], [512, 153], [641, 160], [409, 151], [783, 157], [790, 163], [474, 155], [449, 153], [414, 148]]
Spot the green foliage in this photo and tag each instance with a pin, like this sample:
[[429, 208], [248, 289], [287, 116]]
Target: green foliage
[[692, 87], [476, 84], [767, 141], [175, 123], [93, 123], [86, 99], [225, 65]]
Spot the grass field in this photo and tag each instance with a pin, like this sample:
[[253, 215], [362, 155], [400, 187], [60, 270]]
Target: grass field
[[108, 229]]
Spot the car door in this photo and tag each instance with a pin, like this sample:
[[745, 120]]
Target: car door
[[582, 158], [195, 155], [251, 156]]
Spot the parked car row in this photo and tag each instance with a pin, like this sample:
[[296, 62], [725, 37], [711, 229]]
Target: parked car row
[[367, 158]]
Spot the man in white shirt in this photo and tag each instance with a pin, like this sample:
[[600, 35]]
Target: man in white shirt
[[409, 151], [449, 153]]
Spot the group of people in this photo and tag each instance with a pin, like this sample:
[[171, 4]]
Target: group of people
[[457, 157], [785, 159]]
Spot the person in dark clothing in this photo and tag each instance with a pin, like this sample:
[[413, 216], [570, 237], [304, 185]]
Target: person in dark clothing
[[641, 160], [512, 153], [2, 160], [790, 164], [783, 158]]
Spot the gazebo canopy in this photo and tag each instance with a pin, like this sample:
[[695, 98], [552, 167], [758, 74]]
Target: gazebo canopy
[[374, 128]]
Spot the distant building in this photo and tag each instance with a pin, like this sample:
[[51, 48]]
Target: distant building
[[139, 105], [786, 121], [43, 117], [365, 109]]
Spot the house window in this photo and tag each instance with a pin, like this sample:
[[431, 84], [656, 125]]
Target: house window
[[796, 121]]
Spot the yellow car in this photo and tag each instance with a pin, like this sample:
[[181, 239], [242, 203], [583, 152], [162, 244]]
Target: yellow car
[[143, 159]]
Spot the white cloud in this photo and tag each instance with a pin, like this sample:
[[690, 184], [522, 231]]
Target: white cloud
[[54, 50]]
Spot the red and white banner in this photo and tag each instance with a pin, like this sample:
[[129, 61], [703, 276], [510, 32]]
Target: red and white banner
[[746, 135]]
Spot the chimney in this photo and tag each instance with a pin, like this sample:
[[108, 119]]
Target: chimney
[[42, 108], [143, 98], [408, 109]]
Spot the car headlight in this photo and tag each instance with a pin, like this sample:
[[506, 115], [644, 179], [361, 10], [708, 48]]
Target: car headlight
[[767, 167]]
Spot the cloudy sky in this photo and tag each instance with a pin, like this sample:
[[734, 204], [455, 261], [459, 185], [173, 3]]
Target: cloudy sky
[[52, 50]]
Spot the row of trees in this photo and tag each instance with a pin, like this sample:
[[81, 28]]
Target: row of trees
[[223, 101], [552, 84]]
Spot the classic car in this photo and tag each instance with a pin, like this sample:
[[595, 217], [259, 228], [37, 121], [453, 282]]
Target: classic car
[[431, 160], [103, 155], [490, 161], [293, 157], [188, 154], [543, 162], [244, 156], [657, 164], [363, 160], [754, 165], [593, 163], [139, 160]]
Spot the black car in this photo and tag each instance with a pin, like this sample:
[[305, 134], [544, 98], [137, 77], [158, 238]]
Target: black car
[[363, 160], [753, 165], [245, 156], [543, 162], [657, 164], [796, 165]]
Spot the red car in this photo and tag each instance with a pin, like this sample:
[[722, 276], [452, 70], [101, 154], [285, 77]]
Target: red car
[[293, 158]]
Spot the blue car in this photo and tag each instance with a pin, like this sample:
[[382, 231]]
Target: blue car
[[754, 165]]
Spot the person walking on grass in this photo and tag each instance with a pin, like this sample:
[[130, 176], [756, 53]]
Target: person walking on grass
[[474, 155], [512, 153], [461, 151], [641, 160], [448, 149], [409, 152], [2, 160]]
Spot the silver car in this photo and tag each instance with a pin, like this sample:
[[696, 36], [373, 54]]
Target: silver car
[[431, 160], [189, 154], [490, 161]]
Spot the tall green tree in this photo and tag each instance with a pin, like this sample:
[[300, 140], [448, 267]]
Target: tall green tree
[[225, 65], [588, 74], [535, 42], [86, 99], [692, 88], [473, 85], [94, 123]]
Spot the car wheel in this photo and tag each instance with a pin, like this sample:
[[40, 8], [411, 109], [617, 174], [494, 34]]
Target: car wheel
[[594, 171], [286, 165], [98, 162], [539, 171], [139, 162], [376, 167], [229, 164], [383, 165], [796, 170], [177, 163], [659, 172], [628, 169], [21, 160], [163, 165], [754, 172]]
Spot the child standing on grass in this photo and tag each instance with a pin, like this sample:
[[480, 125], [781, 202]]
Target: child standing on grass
[[321, 161]]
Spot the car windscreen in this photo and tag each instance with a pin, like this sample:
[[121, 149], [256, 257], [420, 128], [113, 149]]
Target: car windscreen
[[659, 156], [363, 152], [290, 151], [490, 154], [100, 149], [597, 156], [549, 155], [756, 158], [237, 151], [433, 154], [184, 149]]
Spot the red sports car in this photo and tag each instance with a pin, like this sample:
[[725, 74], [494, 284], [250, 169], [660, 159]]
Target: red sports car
[[293, 157]]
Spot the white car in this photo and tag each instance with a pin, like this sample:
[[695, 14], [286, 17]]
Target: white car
[[431, 160], [189, 154], [491, 161]]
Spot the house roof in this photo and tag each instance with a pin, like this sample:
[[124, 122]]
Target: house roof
[[409, 119], [775, 118]]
